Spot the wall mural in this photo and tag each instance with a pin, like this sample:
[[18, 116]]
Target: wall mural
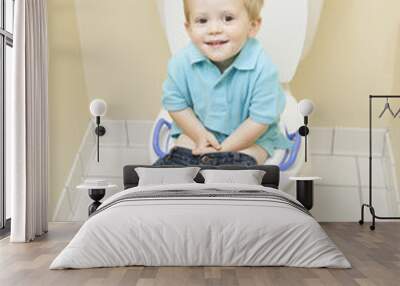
[[226, 99]]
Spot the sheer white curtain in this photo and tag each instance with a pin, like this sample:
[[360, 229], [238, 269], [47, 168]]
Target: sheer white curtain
[[27, 123]]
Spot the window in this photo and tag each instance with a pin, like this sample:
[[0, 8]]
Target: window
[[6, 62]]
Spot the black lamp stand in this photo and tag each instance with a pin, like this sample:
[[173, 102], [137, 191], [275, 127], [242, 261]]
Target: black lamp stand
[[99, 131], [303, 131]]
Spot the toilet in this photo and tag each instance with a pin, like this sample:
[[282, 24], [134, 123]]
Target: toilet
[[287, 34]]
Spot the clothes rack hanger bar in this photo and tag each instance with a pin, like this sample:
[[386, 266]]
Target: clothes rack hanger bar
[[384, 96]]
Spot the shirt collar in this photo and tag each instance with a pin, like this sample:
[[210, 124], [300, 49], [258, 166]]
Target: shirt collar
[[195, 55], [246, 60], [248, 56]]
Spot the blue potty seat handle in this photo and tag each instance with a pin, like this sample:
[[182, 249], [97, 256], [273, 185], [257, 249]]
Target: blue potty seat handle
[[291, 154], [156, 137]]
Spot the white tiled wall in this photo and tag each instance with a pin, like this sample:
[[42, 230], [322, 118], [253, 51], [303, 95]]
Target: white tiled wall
[[138, 132], [378, 178], [321, 141], [125, 142], [115, 135], [113, 159], [335, 170], [338, 155], [354, 141]]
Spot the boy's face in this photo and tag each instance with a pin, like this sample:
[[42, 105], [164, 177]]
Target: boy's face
[[220, 28]]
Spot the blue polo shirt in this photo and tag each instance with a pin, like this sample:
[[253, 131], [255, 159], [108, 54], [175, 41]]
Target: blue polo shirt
[[222, 101]]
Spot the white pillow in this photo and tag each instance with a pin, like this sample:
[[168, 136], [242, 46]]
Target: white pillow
[[248, 177], [164, 176]]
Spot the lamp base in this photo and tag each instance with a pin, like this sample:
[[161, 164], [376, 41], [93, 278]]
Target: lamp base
[[100, 130], [303, 130], [96, 195]]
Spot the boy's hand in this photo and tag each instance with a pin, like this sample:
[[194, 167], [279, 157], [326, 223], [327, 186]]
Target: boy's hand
[[206, 144]]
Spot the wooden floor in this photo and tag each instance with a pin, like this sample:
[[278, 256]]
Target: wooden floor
[[374, 255]]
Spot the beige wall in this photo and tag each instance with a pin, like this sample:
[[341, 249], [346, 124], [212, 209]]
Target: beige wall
[[125, 55], [68, 103], [356, 53]]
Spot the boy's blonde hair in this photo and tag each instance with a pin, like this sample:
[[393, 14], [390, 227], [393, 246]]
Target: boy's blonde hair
[[253, 8]]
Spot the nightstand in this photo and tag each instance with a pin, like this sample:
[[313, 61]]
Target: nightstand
[[304, 190], [96, 190]]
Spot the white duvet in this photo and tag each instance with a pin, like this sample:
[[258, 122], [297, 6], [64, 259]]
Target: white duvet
[[200, 231]]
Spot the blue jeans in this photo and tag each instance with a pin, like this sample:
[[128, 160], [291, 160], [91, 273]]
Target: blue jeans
[[183, 156]]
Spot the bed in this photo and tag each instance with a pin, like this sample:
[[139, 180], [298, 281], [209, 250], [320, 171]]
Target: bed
[[201, 224]]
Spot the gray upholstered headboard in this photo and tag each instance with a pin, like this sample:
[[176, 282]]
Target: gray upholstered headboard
[[270, 179]]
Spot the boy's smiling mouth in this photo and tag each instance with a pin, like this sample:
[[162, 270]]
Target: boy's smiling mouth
[[216, 43]]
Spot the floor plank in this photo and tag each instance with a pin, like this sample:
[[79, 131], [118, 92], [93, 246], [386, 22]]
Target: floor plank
[[374, 255]]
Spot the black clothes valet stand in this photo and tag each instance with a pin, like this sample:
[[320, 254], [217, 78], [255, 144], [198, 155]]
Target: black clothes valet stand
[[385, 109]]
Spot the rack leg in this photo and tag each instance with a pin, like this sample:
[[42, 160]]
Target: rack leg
[[361, 221], [372, 211]]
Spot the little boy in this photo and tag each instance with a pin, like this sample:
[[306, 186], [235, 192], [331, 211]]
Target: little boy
[[222, 91]]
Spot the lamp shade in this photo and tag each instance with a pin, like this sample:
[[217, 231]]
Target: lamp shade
[[306, 107], [98, 107]]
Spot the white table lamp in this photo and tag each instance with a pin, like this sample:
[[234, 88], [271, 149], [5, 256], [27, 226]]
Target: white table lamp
[[305, 107], [98, 108]]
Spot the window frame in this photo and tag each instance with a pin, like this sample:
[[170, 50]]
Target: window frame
[[6, 39]]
